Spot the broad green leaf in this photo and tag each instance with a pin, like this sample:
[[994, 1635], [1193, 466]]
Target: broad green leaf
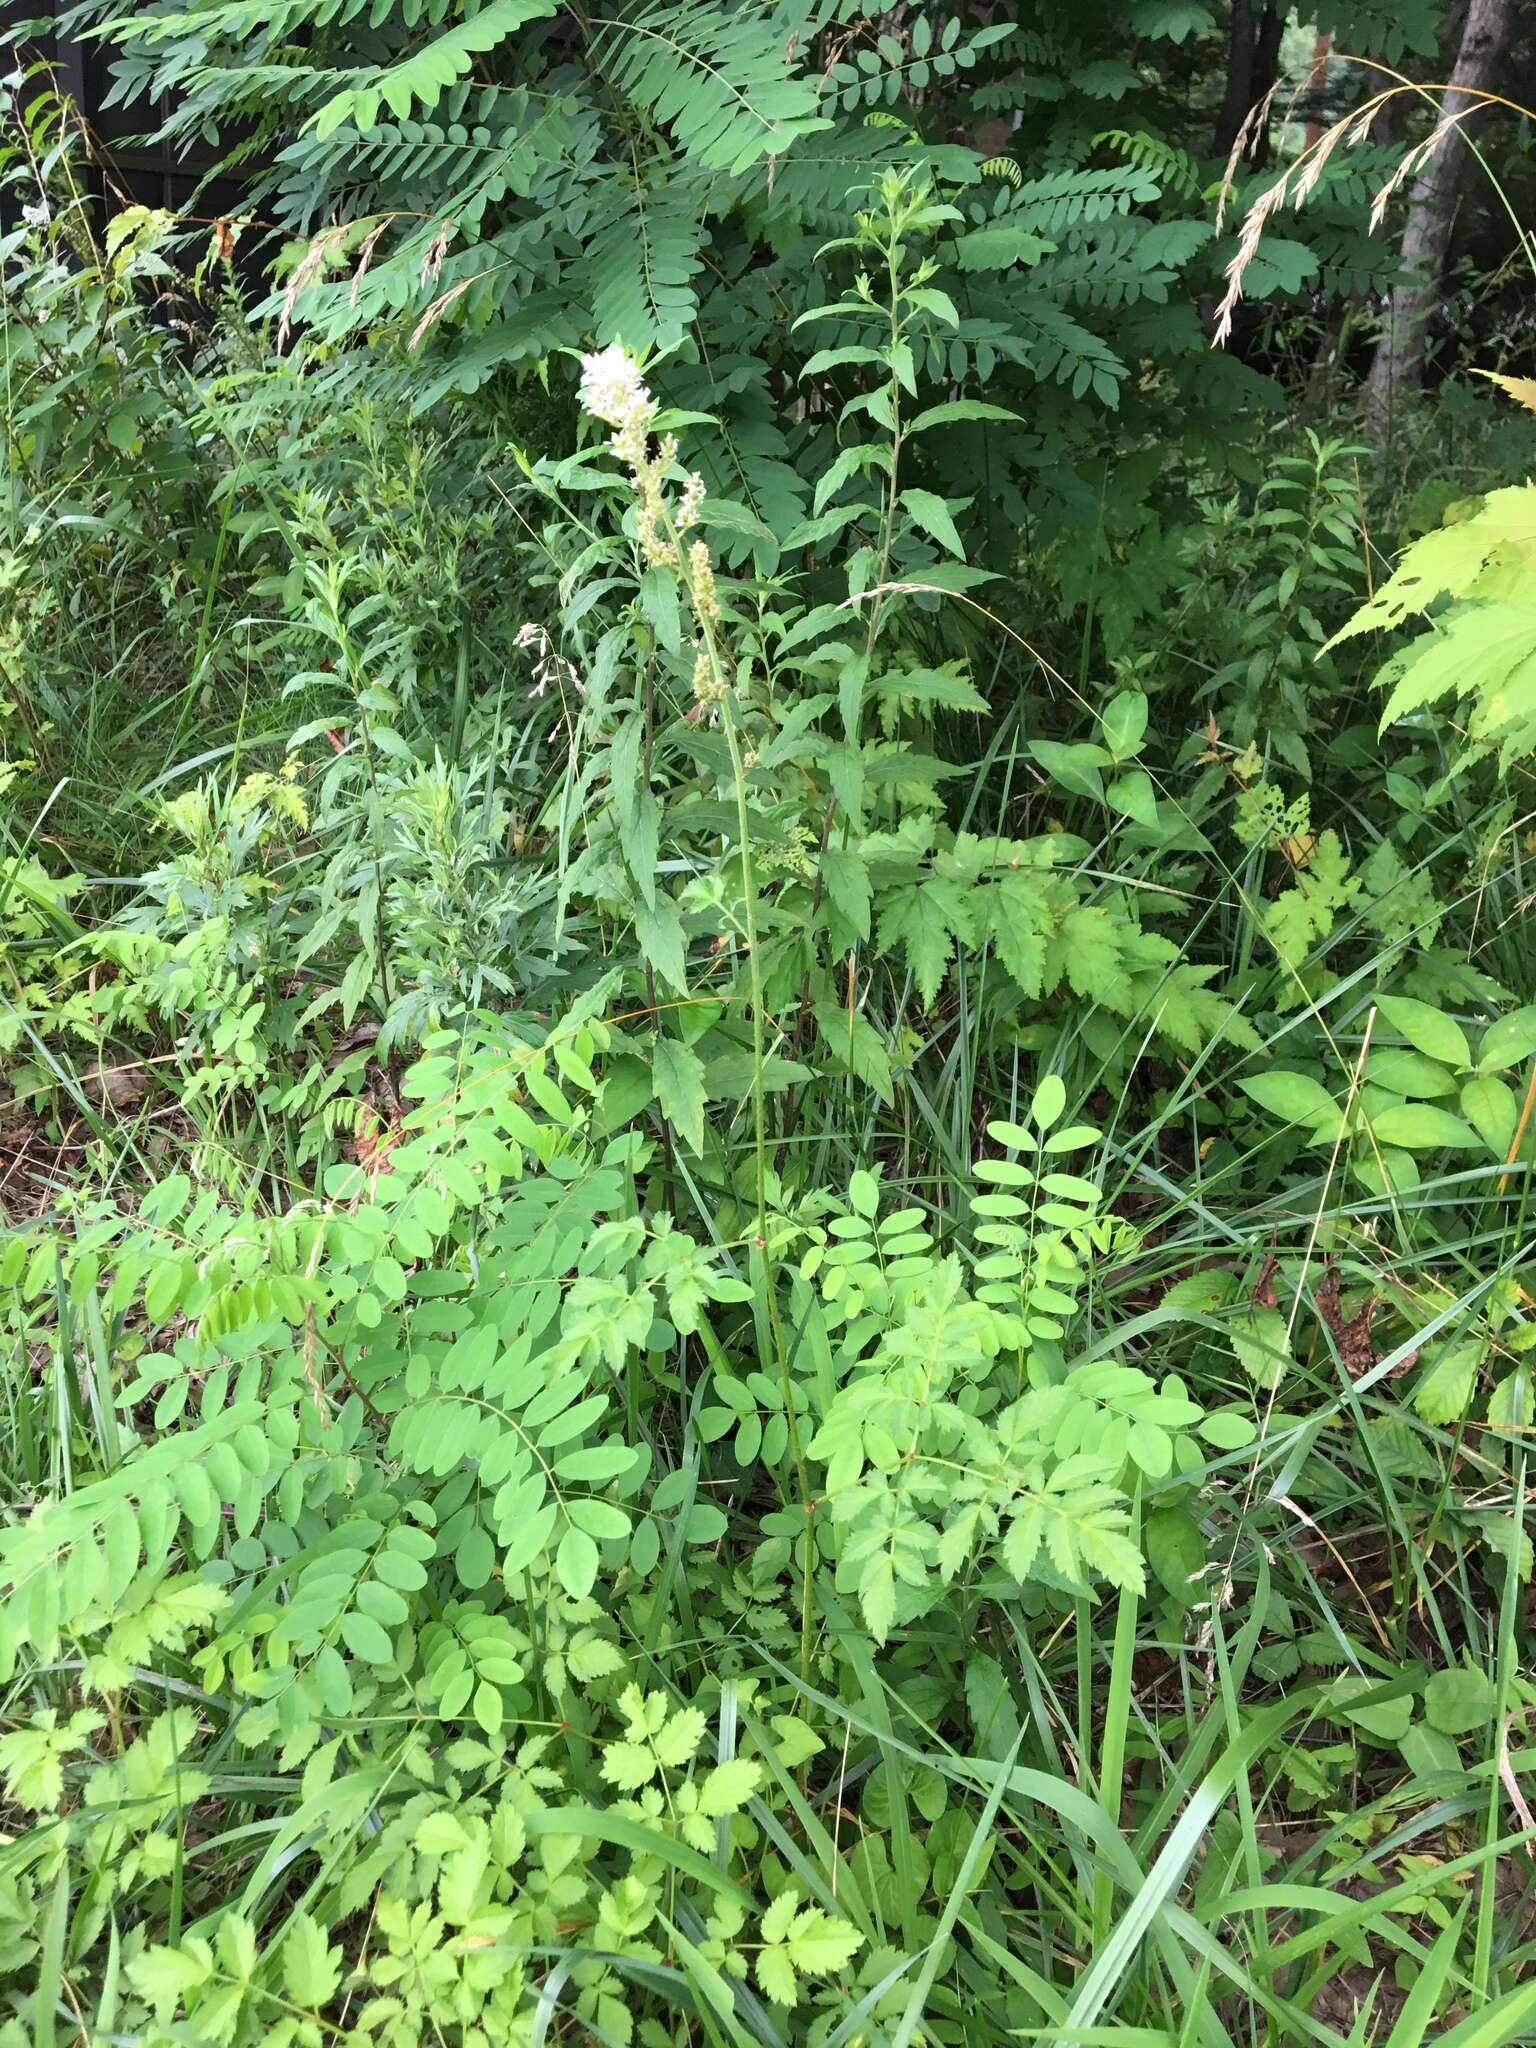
[[365, 1638], [659, 930], [1134, 797], [936, 518], [1491, 1107], [1124, 720], [1176, 1552], [1511, 1404], [1421, 1127], [576, 1563], [1458, 1700], [1388, 1720], [1508, 1041], [1427, 1029], [1294, 1098], [1045, 1109]]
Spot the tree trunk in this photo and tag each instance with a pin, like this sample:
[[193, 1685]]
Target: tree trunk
[[1266, 73], [1317, 83], [1399, 361], [1253, 64], [1238, 96]]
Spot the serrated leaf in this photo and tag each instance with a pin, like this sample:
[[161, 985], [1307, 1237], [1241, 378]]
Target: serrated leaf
[[678, 1741], [629, 1765], [680, 1089], [728, 1787], [1445, 1388], [818, 1944], [845, 878], [776, 1976], [312, 1969]]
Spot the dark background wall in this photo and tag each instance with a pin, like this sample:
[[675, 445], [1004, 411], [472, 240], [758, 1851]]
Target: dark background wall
[[129, 167]]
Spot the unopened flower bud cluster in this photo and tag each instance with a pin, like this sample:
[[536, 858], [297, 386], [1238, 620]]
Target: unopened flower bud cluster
[[612, 391]]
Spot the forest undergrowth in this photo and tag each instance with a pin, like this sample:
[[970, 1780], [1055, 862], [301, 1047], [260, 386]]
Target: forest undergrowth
[[769, 1038]]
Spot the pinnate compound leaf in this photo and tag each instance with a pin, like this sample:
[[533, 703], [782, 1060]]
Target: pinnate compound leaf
[[312, 1969]]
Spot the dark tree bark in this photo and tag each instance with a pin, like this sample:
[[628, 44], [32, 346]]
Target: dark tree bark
[[1399, 362], [1253, 65], [1237, 97], [1317, 82]]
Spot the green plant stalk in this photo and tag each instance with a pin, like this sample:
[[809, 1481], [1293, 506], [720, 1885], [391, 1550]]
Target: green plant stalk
[[1117, 1714], [723, 694], [1488, 1885], [760, 1139]]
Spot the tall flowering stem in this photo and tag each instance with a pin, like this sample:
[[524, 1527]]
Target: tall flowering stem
[[613, 392]]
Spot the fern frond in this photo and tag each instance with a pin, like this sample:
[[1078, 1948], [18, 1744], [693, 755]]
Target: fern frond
[[640, 265], [712, 78], [1174, 169], [422, 78]]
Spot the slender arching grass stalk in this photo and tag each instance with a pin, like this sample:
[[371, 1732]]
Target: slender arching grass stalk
[[1300, 177]]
